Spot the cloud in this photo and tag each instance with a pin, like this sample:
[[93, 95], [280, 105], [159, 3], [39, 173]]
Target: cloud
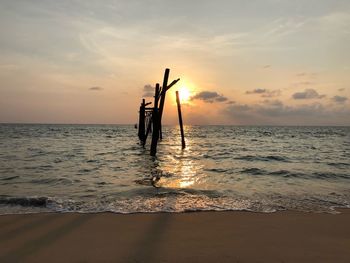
[[306, 74], [265, 92], [307, 94], [342, 89], [275, 112], [303, 83], [240, 108], [148, 91], [96, 88], [271, 93], [339, 99], [256, 91], [209, 96], [301, 74], [273, 103]]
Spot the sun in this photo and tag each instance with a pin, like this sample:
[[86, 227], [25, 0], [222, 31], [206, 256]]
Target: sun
[[185, 94]]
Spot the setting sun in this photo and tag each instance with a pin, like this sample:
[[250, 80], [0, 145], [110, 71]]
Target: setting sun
[[185, 94]]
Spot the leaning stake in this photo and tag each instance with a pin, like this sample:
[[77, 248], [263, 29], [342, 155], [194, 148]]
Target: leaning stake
[[155, 116], [162, 100], [180, 120]]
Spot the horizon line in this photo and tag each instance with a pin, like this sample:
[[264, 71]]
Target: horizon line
[[132, 124]]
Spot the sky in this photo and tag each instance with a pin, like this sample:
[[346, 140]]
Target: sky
[[258, 62]]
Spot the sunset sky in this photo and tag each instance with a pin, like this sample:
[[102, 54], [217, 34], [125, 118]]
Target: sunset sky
[[274, 62]]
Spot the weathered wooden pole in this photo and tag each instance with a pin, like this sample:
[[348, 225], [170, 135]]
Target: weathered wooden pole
[[155, 117], [141, 132], [180, 120], [162, 100], [147, 132]]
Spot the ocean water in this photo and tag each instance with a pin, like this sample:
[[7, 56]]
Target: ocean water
[[99, 168]]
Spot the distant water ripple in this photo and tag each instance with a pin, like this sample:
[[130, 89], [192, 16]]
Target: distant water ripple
[[97, 168]]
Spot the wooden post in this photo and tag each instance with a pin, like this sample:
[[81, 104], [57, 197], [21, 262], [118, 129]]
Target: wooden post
[[141, 132], [162, 100], [152, 116], [147, 132], [155, 117], [180, 120]]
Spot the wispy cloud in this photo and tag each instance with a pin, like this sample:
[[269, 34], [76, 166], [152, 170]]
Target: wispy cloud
[[264, 92], [339, 99], [303, 83], [307, 94], [306, 74], [256, 91], [96, 88]]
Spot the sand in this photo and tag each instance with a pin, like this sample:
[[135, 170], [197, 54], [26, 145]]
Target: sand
[[188, 237]]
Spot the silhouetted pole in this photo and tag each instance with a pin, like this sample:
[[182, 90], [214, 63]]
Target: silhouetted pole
[[149, 127], [162, 100], [155, 117], [141, 132], [180, 120]]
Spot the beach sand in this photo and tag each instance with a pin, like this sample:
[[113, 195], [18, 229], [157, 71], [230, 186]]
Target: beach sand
[[185, 237]]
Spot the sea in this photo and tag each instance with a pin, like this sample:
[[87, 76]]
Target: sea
[[104, 168]]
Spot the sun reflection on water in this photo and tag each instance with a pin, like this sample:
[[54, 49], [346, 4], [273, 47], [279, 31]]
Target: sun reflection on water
[[184, 175], [184, 170]]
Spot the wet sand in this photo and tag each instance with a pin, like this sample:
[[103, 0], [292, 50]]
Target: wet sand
[[188, 237]]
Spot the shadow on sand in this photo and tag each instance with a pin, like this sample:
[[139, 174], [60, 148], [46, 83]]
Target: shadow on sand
[[20, 254]]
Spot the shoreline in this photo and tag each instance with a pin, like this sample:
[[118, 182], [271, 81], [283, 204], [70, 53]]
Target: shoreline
[[334, 211], [214, 236]]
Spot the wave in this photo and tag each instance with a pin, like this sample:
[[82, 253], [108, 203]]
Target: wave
[[25, 201], [290, 174], [254, 171], [339, 165], [262, 158], [217, 170], [329, 175], [177, 201], [51, 181], [283, 173], [10, 178]]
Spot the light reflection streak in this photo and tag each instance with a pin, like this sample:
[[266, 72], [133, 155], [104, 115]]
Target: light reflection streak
[[181, 165], [184, 175]]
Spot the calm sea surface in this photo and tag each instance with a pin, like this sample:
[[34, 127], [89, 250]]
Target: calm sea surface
[[97, 168]]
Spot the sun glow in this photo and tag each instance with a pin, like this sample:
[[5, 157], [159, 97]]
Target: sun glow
[[185, 94]]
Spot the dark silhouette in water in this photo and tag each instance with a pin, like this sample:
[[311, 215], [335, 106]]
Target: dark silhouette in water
[[180, 120], [149, 117], [162, 100], [156, 122], [141, 133]]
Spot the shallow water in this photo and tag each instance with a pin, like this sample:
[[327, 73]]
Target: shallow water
[[96, 168]]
